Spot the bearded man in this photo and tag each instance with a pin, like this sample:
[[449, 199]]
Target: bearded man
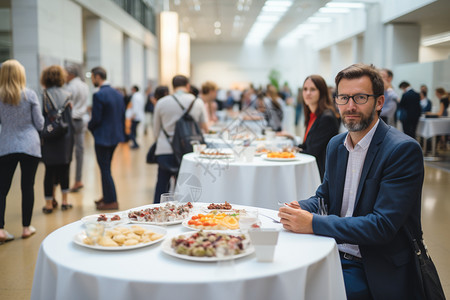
[[371, 190]]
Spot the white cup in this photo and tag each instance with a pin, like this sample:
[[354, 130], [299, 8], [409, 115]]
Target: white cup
[[249, 153], [239, 153], [270, 135]]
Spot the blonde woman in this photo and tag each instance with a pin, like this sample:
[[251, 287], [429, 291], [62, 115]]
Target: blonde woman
[[21, 119]]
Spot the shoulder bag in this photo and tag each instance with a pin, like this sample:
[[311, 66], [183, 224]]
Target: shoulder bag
[[426, 270], [54, 124]]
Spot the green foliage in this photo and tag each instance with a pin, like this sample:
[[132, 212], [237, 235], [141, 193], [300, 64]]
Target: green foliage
[[274, 78]]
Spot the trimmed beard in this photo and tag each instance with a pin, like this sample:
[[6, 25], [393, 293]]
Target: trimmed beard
[[359, 126]]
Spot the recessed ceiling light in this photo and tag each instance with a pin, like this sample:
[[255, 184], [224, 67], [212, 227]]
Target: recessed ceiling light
[[217, 31], [345, 4], [334, 10], [217, 24]]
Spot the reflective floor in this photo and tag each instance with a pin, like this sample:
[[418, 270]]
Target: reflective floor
[[135, 182]]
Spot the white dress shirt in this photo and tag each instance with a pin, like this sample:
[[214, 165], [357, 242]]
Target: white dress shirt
[[355, 163]]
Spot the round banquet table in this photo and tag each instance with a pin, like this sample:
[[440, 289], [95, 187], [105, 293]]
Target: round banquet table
[[259, 183], [304, 267]]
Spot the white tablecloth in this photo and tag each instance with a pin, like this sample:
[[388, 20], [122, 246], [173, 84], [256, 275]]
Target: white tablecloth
[[304, 267], [259, 183], [429, 127]]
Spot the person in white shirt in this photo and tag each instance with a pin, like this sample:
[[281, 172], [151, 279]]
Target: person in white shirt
[[80, 93], [167, 113], [136, 113]]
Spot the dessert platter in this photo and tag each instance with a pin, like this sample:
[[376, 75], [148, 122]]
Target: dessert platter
[[122, 237], [215, 154], [280, 156], [208, 246], [214, 220], [165, 214]]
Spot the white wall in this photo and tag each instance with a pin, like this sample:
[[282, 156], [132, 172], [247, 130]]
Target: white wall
[[60, 30], [394, 9], [433, 74], [427, 54], [234, 64]]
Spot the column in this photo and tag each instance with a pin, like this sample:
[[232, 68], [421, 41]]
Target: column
[[373, 37], [24, 20]]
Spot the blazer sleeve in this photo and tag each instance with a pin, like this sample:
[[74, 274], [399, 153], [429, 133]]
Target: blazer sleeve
[[387, 200], [97, 111]]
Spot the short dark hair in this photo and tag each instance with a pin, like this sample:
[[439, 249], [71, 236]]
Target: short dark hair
[[356, 71], [403, 84], [99, 71], [194, 91], [179, 80], [135, 87], [161, 91], [388, 72]]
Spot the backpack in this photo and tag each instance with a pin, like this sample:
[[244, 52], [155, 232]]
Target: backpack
[[186, 132], [55, 126]]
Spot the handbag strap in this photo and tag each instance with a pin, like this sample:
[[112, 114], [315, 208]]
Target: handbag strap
[[418, 244], [52, 102]]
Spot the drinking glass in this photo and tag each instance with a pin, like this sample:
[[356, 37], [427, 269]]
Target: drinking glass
[[173, 198], [249, 219]]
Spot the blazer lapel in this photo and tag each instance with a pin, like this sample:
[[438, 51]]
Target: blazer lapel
[[341, 170], [377, 139]]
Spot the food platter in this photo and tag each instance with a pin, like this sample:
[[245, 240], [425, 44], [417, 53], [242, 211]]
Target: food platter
[[81, 236], [108, 223], [280, 159], [166, 247], [186, 225], [159, 214]]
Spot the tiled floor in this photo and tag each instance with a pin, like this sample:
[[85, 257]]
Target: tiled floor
[[135, 183]]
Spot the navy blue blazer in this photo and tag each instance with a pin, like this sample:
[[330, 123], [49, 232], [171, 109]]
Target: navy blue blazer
[[323, 129], [108, 117], [388, 197]]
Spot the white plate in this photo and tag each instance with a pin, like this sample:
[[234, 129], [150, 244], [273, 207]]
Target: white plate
[[186, 225], [158, 223], [223, 156], [151, 222], [279, 159], [78, 239], [166, 247], [93, 218]]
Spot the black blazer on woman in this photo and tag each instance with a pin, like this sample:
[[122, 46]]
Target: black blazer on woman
[[323, 129]]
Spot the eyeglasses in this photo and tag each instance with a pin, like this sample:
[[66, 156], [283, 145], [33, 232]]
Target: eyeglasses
[[357, 98]]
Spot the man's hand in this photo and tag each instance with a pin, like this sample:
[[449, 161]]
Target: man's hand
[[296, 219]]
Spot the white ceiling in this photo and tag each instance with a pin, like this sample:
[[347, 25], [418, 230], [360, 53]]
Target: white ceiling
[[200, 24]]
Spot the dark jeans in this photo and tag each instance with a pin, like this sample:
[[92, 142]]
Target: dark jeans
[[104, 157], [356, 286], [133, 133], [28, 167], [54, 175], [167, 167]]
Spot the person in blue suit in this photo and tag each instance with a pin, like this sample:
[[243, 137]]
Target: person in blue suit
[[107, 127], [372, 190]]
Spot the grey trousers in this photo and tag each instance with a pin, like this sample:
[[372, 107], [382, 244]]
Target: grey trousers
[[80, 129]]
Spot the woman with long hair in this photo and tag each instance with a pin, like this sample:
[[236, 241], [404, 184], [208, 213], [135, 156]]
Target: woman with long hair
[[57, 153], [320, 120], [21, 119]]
